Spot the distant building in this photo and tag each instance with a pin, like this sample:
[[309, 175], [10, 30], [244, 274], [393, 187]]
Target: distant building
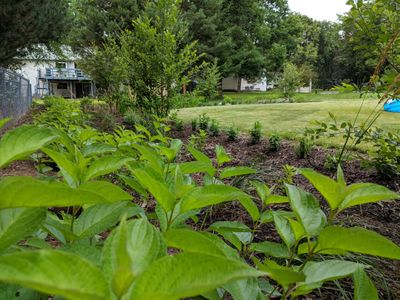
[[54, 75], [232, 84]]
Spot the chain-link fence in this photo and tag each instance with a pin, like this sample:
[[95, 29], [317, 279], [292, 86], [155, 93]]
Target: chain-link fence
[[15, 94]]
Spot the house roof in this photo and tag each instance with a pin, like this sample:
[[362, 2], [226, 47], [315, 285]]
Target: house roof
[[43, 53]]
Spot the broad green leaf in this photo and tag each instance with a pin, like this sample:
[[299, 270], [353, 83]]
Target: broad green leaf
[[17, 223], [171, 152], [262, 190], [15, 292], [328, 187], [236, 171], [192, 241], [276, 199], [116, 262], [99, 218], [188, 274], [54, 273], [106, 190], [97, 149], [134, 184], [158, 189], [307, 210], [128, 251], [68, 167], [236, 233], [284, 229], [89, 252], [364, 288], [22, 141], [243, 289], [30, 192], [144, 244], [152, 157], [281, 274], [199, 156], [204, 196], [329, 270], [196, 167], [222, 156], [297, 229], [362, 193], [271, 249], [358, 240], [105, 165]]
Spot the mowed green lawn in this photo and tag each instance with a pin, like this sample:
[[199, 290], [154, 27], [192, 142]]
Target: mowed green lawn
[[290, 119]]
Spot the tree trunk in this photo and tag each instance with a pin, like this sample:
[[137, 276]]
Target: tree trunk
[[239, 84]]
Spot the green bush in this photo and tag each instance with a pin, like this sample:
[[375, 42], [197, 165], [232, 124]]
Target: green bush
[[232, 133], [194, 124], [304, 147], [198, 139], [274, 142], [385, 156], [256, 133], [215, 128], [131, 117], [61, 112], [204, 121], [208, 81]]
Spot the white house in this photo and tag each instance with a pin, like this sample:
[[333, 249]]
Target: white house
[[231, 84], [55, 75]]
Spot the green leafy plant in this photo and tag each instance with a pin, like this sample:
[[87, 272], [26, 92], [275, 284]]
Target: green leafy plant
[[256, 133], [204, 121], [209, 79], [198, 140], [215, 128], [232, 133], [274, 142], [304, 147]]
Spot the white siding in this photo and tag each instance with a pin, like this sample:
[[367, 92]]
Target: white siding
[[231, 83], [30, 69]]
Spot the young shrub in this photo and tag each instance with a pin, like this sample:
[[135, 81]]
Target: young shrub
[[256, 133], [385, 157], [274, 142], [204, 121], [208, 81], [194, 125], [290, 81], [232, 133], [304, 147], [132, 117], [86, 104], [331, 162], [198, 140], [288, 175], [215, 128]]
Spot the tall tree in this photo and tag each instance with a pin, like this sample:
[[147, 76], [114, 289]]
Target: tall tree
[[29, 26], [96, 20]]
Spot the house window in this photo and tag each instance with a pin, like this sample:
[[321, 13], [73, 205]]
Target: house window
[[62, 86], [61, 65]]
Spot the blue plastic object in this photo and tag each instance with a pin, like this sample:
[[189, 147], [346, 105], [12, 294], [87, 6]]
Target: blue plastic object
[[392, 106]]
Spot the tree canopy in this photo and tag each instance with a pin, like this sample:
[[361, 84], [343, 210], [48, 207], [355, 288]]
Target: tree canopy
[[29, 27]]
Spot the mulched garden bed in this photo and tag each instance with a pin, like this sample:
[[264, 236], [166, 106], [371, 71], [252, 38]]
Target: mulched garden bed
[[382, 217]]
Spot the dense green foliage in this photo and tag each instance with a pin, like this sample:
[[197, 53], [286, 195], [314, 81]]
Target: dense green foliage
[[28, 27]]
